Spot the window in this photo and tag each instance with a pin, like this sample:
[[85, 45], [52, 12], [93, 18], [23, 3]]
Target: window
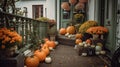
[[37, 11]]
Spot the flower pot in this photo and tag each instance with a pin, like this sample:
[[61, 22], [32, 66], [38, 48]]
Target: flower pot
[[15, 61]]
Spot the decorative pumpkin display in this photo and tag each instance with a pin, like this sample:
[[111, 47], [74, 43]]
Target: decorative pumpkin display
[[51, 44], [79, 6], [48, 59], [62, 31], [77, 41], [78, 36], [32, 61], [40, 54], [70, 29], [72, 1], [65, 6], [45, 49], [86, 25], [83, 1]]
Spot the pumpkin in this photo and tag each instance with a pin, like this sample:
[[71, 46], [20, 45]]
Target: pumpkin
[[70, 29], [51, 44], [62, 31], [48, 60], [32, 61], [88, 41], [45, 49], [72, 1], [46, 39], [40, 54], [78, 36], [77, 41]]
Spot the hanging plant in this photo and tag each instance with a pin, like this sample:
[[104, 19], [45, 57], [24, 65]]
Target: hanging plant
[[83, 1], [79, 6], [65, 6], [72, 1]]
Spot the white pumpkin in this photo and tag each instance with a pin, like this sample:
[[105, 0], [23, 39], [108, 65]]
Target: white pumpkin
[[66, 34], [98, 48], [81, 44], [102, 52], [48, 59], [97, 52], [56, 42], [84, 54], [51, 48]]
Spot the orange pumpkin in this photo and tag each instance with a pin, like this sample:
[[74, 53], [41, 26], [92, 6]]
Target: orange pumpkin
[[70, 29], [40, 54], [46, 39], [78, 36], [62, 31], [51, 44], [32, 61], [88, 41], [77, 41], [45, 49]]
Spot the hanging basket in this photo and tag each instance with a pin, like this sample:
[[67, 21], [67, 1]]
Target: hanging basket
[[72, 2], [65, 6], [79, 6], [83, 1]]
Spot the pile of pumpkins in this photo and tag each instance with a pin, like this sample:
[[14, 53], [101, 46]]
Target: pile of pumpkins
[[41, 55], [87, 48], [68, 32]]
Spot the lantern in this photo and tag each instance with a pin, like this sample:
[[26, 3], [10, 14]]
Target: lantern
[[65, 6], [83, 1], [79, 6], [72, 1]]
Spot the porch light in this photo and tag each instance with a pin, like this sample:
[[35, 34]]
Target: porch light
[[25, 11]]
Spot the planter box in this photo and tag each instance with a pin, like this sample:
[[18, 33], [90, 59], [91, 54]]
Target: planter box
[[16, 61]]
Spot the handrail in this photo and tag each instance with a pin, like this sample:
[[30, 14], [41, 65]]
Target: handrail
[[31, 30]]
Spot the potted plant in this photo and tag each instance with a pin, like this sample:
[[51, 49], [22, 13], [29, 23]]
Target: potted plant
[[9, 40]]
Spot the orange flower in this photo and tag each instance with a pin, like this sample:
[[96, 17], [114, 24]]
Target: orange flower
[[97, 30], [9, 37]]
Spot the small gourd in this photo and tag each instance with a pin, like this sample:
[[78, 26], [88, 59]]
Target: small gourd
[[48, 59]]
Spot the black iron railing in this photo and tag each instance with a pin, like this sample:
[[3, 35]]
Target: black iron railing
[[31, 30]]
